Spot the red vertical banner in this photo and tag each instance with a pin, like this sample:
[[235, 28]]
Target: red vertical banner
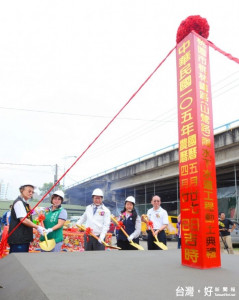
[[197, 172]]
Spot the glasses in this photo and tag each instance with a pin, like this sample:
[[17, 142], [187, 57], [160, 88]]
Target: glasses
[[156, 201]]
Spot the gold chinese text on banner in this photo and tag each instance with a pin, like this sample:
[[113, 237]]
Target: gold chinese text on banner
[[197, 172]]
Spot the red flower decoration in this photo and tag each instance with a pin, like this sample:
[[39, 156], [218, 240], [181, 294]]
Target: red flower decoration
[[88, 231], [196, 23], [120, 224], [41, 218], [151, 224]]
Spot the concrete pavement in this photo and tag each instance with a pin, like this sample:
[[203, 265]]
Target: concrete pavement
[[140, 275]]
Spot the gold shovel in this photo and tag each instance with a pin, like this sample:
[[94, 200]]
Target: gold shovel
[[126, 234], [82, 227], [157, 242], [46, 245]]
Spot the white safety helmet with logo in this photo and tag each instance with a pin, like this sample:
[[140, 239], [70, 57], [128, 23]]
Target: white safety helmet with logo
[[58, 193], [130, 199], [98, 192]]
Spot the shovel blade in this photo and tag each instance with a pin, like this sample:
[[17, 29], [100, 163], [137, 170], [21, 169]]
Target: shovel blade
[[47, 245], [161, 245], [111, 247], [136, 246]]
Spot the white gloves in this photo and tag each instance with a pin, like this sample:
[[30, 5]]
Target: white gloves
[[41, 230], [130, 238], [101, 238], [49, 230]]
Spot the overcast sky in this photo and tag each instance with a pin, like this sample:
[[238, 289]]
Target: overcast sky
[[67, 67]]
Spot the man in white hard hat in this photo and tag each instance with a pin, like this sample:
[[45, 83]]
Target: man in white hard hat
[[20, 239], [97, 218], [55, 217]]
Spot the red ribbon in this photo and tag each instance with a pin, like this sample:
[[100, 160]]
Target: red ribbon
[[41, 218], [88, 231], [120, 225], [151, 224], [4, 244]]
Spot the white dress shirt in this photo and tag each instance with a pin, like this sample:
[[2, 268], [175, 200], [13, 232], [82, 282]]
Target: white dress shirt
[[159, 217], [98, 222]]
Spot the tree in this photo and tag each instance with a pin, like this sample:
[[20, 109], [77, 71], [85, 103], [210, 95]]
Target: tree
[[47, 186]]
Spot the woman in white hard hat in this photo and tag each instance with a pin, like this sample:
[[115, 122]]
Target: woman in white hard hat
[[55, 217], [132, 225], [22, 236], [97, 218]]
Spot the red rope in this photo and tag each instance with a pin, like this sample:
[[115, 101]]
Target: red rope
[[1, 244], [228, 55]]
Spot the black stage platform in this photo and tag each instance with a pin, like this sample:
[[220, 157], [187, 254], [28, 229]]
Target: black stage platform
[[114, 275]]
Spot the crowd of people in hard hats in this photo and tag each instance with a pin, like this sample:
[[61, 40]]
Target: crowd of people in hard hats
[[97, 218], [95, 221]]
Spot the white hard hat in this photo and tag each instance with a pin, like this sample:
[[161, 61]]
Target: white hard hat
[[130, 199], [59, 193], [27, 183], [98, 192]]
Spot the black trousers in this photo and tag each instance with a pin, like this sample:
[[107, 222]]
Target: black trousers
[[161, 237], [91, 244], [125, 245], [19, 247]]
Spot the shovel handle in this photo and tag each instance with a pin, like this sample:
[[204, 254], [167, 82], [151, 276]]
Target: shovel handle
[[146, 220], [153, 233], [121, 228], [45, 236], [97, 238], [126, 234], [83, 228]]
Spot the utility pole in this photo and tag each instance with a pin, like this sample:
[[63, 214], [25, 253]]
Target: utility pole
[[65, 158], [55, 177]]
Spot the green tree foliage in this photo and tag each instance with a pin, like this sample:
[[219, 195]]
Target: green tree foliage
[[47, 186]]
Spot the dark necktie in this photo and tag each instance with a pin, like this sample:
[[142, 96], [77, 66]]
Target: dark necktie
[[94, 210]]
